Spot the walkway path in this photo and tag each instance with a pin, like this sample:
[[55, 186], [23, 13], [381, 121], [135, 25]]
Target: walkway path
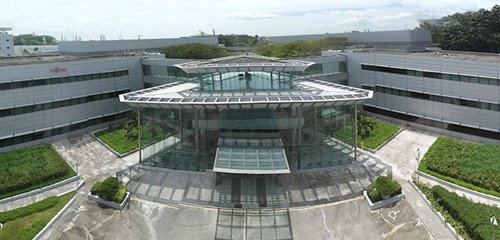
[[303, 188]]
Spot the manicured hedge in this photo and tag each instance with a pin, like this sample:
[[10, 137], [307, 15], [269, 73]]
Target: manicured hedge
[[28, 210], [477, 164], [475, 217], [110, 189], [36, 166], [383, 187]]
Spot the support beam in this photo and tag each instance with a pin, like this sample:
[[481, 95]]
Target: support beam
[[355, 133], [140, 133]]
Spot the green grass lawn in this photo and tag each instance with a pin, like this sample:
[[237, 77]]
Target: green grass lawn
[[470, 165], [27, 226], [381, 133], [117, 138], [26, 169]]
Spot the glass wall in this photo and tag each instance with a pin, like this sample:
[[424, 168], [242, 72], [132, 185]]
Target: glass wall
[[312, 137], [244, 81]]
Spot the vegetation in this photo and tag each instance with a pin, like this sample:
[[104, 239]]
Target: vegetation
[[470, 31], [33, 39], [125, 137], [470, 165], [196, 51], [371, 132], [301, 48], [239, 40], [110, 189], [26, 169], [474, 217], [26, 222], [382, 188]]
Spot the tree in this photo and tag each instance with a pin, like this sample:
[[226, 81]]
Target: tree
[[301, 48], [195, 51], [365, 125], [469, 31], [33, 39]]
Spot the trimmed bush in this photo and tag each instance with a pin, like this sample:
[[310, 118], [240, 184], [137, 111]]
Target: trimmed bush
[[106, 189], [28, 210], [120, 194], [110, 190], [475, 217], [383, 187]]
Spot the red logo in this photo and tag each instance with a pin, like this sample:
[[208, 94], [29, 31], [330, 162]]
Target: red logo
[[58, 70]]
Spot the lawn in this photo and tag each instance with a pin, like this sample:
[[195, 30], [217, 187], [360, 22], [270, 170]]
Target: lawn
[[382, 132], [117, 138], [26, 222], [471, 165], [30, 168]]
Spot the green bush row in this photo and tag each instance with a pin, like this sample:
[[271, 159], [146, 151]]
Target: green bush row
[[110, 189], [472, 163], [25, 167], [32, 231], [475, 217], [28, 210]]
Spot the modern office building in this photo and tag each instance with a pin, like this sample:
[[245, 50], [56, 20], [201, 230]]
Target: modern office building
[[453, 93], [249, 114], [47, 98]]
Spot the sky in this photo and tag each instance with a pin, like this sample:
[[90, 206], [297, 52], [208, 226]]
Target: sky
[[148, 19]]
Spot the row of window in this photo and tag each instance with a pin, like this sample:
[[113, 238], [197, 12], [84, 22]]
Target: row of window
[[434, 123], [430, 74], [60, 103], [58, 80], [436, 98], [62, 129]]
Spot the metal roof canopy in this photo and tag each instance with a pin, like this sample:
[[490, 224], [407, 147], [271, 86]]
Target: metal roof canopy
[[244, 63], [313, 93], [253, 154]]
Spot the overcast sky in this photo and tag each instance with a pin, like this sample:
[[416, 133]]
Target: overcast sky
[[127, 19]]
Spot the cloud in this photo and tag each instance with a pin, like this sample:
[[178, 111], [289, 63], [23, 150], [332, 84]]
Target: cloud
[[250, 15]]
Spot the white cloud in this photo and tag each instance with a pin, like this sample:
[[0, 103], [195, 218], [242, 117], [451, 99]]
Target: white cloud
[[250, 15]]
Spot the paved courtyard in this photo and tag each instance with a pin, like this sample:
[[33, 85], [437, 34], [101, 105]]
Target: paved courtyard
[[309, 204]]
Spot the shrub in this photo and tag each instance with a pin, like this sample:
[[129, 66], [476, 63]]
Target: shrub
[[475, 217], [374, 196], [386, 186], [120, 194], [107, 188], [110, 189], [28, 210]]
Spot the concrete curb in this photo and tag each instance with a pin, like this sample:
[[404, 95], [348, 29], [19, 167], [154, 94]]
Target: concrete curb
[[438, 214], [60, 213], [457, 187], [384, 202], [40, 190]]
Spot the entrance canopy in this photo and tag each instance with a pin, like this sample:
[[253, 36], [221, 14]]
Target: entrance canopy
[[251, 154]]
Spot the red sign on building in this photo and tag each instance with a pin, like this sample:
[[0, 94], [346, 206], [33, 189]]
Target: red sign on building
[[58, 70]]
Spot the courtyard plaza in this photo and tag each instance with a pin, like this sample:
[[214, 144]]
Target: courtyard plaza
[[324, 203]]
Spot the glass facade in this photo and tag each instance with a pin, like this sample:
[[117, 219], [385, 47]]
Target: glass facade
[[307, 134]]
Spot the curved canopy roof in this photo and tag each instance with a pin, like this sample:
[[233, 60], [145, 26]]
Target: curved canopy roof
[[313, 93], [244, 63]]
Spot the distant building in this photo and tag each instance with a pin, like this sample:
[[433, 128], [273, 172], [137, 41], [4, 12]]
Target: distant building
[[6, 42]]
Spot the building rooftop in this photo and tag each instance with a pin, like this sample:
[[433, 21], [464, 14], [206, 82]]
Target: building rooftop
[[312, 93], [471, 56], [244, 63], [14, 61]]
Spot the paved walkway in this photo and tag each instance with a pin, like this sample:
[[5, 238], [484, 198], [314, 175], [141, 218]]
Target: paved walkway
[[303, 188]]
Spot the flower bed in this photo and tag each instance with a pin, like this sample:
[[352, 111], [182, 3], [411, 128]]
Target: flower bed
[[382, 192]]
